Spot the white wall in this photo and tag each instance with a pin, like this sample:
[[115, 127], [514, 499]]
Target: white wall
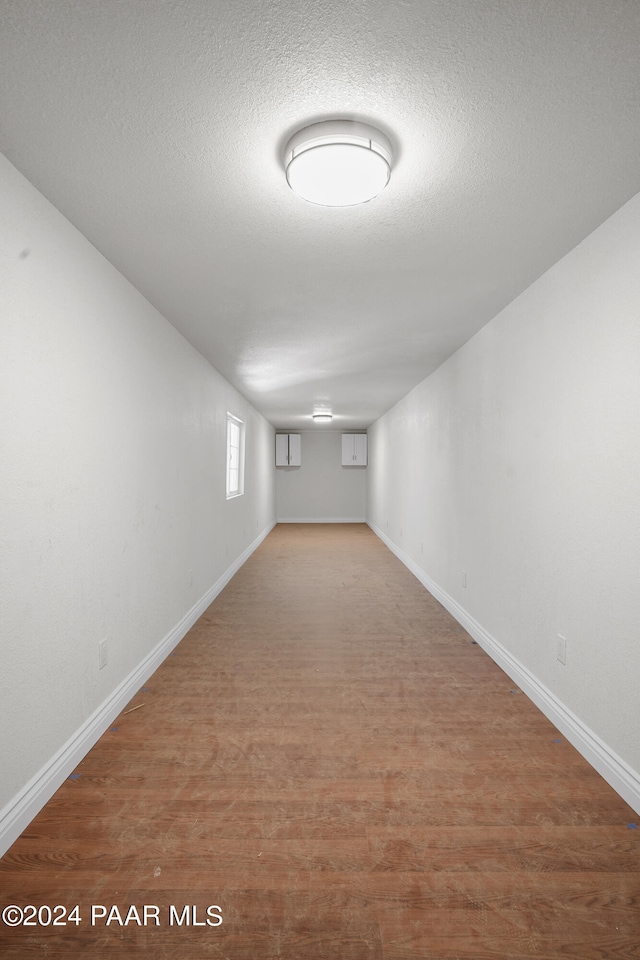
[[518, 461], [321, 490], [115, 523]]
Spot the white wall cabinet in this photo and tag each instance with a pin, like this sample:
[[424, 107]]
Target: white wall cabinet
[[288, 450], [354, 449]]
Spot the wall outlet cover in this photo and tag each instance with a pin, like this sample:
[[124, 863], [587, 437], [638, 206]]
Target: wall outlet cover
[[561, 650]]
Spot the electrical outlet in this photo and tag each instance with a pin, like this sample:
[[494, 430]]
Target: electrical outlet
[[464, 578], [561, 649], [190, 578], [102, 653]]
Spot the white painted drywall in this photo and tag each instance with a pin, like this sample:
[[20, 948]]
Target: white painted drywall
[[518, 462], [321, 490], [112, 480]]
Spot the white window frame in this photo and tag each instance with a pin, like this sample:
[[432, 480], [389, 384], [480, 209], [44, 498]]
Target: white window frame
[[235, 456]]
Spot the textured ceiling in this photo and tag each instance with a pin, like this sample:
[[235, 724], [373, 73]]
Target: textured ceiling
[[158, 126]]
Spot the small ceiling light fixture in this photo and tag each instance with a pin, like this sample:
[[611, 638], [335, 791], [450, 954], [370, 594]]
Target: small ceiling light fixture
[[338, 163], [322, 417]]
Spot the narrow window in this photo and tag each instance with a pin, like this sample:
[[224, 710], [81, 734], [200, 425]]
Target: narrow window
[[235, 456]]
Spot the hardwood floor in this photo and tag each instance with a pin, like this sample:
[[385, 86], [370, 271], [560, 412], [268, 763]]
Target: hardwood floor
[[329, 760]]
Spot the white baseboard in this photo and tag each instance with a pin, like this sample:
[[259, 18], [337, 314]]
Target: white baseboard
[[618, 774], [20, 811], [323, 520]]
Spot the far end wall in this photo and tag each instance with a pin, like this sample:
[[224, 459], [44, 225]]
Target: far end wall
[[321, 490]]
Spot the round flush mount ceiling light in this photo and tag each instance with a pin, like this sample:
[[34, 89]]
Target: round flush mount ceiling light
[[338, 163], [322, 417]]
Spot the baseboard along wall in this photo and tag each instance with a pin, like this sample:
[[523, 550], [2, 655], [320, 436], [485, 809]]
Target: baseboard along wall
[[20, 811], [618, 774], [323, 520]]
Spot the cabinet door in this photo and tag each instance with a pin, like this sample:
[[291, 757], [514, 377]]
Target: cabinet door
[[347, 450], [282, 449], [360, 449], [295, 450]]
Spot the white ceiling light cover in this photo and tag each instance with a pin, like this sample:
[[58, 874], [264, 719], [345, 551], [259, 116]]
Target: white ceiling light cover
[[338, 163]]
